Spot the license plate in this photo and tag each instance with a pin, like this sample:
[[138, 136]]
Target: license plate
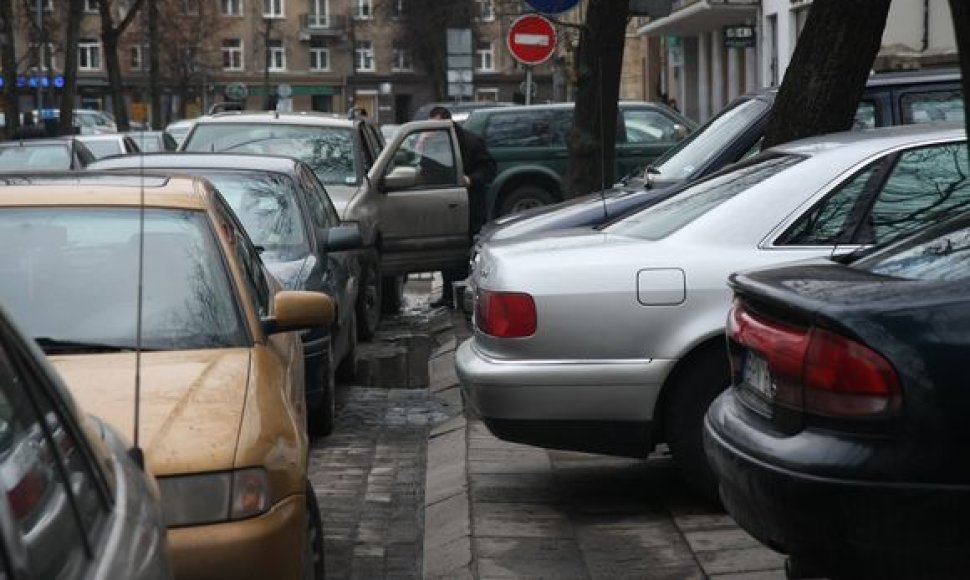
[[756, 376]]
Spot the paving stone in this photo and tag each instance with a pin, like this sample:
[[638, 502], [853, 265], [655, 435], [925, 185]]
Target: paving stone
[[740, 560], [529, 558], [519, 520]]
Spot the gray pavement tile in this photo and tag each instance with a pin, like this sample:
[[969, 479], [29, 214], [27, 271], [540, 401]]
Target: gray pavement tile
[[720, 539], [509, 465], [762, 575], [632, 561], [705, 521], [512, 487], [740, 560], [519, 520], [631, 534], [529, 558], [446, 520], [451, 560]]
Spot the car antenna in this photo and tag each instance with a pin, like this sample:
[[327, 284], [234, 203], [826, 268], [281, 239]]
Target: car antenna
[[136, 452], [599, 89]]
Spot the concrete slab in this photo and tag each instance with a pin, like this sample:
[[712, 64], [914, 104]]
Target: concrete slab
[[529, 558], [519, 520], [446, 475], [740, 560]]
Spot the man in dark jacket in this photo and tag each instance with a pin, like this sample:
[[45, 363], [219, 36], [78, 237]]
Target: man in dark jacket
[[480, 170]]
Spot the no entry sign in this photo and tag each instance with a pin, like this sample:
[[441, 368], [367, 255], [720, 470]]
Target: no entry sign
[[532, 39]]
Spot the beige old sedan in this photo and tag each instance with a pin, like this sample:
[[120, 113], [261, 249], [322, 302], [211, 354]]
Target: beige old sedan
[[222, 419]]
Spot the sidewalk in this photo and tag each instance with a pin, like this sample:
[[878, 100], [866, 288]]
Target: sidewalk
[[501, 510]]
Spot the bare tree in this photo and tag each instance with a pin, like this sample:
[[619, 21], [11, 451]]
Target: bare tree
[[8, 61], [75, 8], [154, 65], [599, 60], [827, 74], [110, 35]]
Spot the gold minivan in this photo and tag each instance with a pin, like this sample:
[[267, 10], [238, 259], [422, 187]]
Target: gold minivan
[[221, 417]]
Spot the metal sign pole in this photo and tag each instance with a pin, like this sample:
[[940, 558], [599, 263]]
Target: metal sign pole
[[528, 85]]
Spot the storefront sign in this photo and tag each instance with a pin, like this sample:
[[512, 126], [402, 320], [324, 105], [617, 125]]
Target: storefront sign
[[741, 36]]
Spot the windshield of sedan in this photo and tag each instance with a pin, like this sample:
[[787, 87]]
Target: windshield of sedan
[[711, 139], [268, 208], [931, 256], [659, 221], [70, 275], [329, 151], [35, 157], [104, 147]]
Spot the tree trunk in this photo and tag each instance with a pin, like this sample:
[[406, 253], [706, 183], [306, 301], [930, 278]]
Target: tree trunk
[[8, 62], [153, 66], [110, 35], [960, 10], [827, 74], [599, 58], [75, 11]]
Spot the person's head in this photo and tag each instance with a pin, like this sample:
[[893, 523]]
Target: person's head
[[439, 113]]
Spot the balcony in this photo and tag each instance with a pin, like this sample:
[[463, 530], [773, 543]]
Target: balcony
[[314, 25]]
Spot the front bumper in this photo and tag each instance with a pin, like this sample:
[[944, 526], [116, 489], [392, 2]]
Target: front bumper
[[845, 527], [598, 406], [268, 546]]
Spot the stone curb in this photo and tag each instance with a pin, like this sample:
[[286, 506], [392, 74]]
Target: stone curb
[[447, 519]]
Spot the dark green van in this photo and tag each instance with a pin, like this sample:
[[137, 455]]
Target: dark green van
[[529, 145]]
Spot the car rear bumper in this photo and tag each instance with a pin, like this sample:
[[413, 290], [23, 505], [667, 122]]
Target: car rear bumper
[[268, 546], [569, 404], [845, 527]]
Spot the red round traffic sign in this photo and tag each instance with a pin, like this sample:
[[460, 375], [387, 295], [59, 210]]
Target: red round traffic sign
[[531, 39]]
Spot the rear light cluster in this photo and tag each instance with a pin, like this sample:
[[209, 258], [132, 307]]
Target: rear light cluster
[[505, 314], [814, 369]]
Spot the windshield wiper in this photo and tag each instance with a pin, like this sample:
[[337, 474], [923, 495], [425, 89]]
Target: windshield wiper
[[54, 345]]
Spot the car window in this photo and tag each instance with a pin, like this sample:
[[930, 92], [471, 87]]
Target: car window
[[322, 212], [935, 255], [19, 158], [34, 480], [865, 115], [926, 186], [528, 129], [71, 274], [104, 147], [658, 221], [253, 275], [268, 208], [431, 152], [933, 106], [329, 151], [644, 126], [834, 219]]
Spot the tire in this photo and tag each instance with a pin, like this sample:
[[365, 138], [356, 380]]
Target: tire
[[693, 391], [392, 294], [313, 557], [323, 415], [525, 197], [369, 298]]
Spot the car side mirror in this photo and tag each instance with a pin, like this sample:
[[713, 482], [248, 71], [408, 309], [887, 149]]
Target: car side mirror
[[680, 132], [298, 310], [346, 236], [401, 177]]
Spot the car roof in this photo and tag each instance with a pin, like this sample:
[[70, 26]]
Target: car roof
[[873, 141], [298, 118], [62, 141], [105, 189], [882, 79], [187, 160], [100, 136]]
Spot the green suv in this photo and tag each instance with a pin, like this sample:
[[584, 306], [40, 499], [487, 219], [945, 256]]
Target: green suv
[[529, 145]]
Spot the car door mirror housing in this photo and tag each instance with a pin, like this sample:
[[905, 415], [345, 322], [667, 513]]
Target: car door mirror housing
[[298, 310], [346, 236], [680, 132], [401, 177]]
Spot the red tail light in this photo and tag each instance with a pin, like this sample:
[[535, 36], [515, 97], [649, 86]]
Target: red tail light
[[506, 314], [815, 369]]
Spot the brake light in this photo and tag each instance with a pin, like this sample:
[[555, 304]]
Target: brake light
[[506, 314], [814, 369]]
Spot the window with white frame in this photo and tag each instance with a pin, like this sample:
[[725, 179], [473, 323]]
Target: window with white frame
[[485, 10], [485, 57], [90, 5], [364, 9], [401, 59], [136, 57], [319, 58], [89, 54], [232, 7], [232, 54], [44, 54], [272, 8], [276, 55], [486, 95], [364, 56], [319, 13]]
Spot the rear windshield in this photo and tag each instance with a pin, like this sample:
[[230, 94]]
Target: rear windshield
[[940, 256], [329, 151], [35, 157], [659, 221], [104, 147]]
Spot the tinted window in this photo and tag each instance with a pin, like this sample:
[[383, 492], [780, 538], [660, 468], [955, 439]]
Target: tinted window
[[40, 157], [253, 275], [831, 220], [661, 220], [926, 186], [329, 151], [937, 256], [71, 274], [267, 206], [938, 106], [528, 129], [644, 126]]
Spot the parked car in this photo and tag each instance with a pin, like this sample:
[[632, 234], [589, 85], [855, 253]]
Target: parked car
[[179, 129], [459, 111], [408, 197], [611, 340], [154, 141], [75, 502], [109, 144], [223, 418], [842, 439], [289, 216], [86, 121], [54, 154], [529, 145], [735, 133]]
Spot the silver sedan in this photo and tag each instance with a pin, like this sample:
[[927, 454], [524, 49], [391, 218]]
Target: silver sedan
[[611, 340]]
